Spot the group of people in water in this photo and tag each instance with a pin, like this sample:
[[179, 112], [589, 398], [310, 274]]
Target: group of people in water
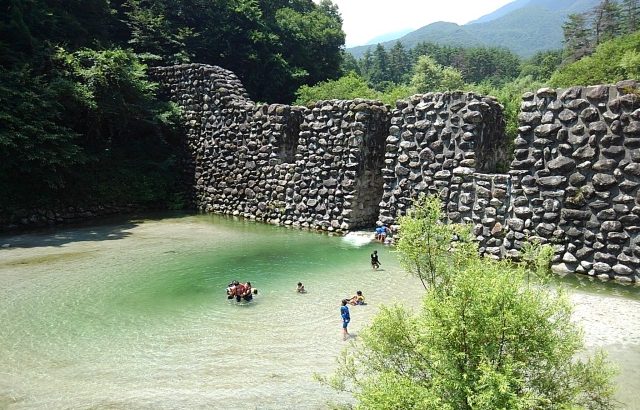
[[241, 291], [244, 291]]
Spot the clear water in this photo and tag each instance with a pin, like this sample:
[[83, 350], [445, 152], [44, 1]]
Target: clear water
[[133, 315]]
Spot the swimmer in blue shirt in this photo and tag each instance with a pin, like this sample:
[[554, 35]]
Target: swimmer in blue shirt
[[346, 318]]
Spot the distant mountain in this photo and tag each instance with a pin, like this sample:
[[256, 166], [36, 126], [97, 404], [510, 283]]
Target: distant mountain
[[388, 36], [524, 27], [506, 9]]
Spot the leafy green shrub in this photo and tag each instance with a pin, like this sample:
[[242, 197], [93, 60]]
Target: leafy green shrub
[[614, 60], [429, 76], [394, 93], [536, 258], [348, 87], [483, 340]]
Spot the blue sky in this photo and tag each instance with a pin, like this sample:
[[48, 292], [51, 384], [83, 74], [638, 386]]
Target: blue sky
[[366, 19]]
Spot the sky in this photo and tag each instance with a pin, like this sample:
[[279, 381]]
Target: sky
[[364, 20]]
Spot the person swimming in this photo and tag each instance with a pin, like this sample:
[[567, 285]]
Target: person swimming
[[300, 288]]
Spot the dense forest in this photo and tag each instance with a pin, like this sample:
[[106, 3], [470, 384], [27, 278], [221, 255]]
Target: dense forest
[[80, 122]]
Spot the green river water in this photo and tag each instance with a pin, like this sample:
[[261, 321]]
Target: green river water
[[132, 314]]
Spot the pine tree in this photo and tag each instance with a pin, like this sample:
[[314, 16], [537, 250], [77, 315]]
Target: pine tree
[[630, 15], [399, 64], [606, 21], [366, 64], [577, 39], [380, 67]]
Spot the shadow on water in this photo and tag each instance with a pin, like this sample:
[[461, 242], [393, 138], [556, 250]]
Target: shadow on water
[[99, 229], [595, 286]]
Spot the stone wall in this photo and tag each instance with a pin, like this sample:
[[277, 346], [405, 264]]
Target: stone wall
[[436, 144], [341, 165], [575, 177], [317, 167]]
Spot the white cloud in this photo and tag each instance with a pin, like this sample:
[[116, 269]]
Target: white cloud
[[366, 19]]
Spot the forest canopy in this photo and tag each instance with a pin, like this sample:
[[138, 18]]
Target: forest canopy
[[81, 123]]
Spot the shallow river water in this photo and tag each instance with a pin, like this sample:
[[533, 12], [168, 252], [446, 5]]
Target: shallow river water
[[132, 314]]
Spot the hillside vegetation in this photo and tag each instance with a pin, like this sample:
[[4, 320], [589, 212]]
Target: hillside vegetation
[[80, 122]]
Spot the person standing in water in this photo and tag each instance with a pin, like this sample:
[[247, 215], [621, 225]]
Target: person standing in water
[[346, 318], [375, 263]]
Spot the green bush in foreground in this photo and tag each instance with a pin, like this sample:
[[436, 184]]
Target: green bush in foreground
[[484, 339]]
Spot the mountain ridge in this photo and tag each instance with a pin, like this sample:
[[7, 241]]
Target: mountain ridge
[[524, 26], [507, 8], [388, 36]]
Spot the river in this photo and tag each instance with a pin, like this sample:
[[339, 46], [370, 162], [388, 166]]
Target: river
[[131, 313]]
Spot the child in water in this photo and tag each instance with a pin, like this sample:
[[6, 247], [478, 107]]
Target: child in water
[[346, 318], [375, 263], [357, 299], [300, 288]]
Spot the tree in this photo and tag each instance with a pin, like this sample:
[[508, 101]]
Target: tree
[[494, 64], [36, 150], [612, 61], [366, 63], [485, 340], [399, 64], [424, 248], [577, 37], [451, 79], [606, 21], [349, 64], [428, 76], [542, 65], [273, 46], [630, 11], [379, 71], [156, 34]]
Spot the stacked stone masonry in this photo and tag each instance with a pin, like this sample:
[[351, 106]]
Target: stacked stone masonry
[[315, 167], [342, 165], [575, 178], [436, 144]]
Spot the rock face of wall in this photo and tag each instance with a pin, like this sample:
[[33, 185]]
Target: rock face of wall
[[575, 177], [341, 165], [316, 167], [436, 144]]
